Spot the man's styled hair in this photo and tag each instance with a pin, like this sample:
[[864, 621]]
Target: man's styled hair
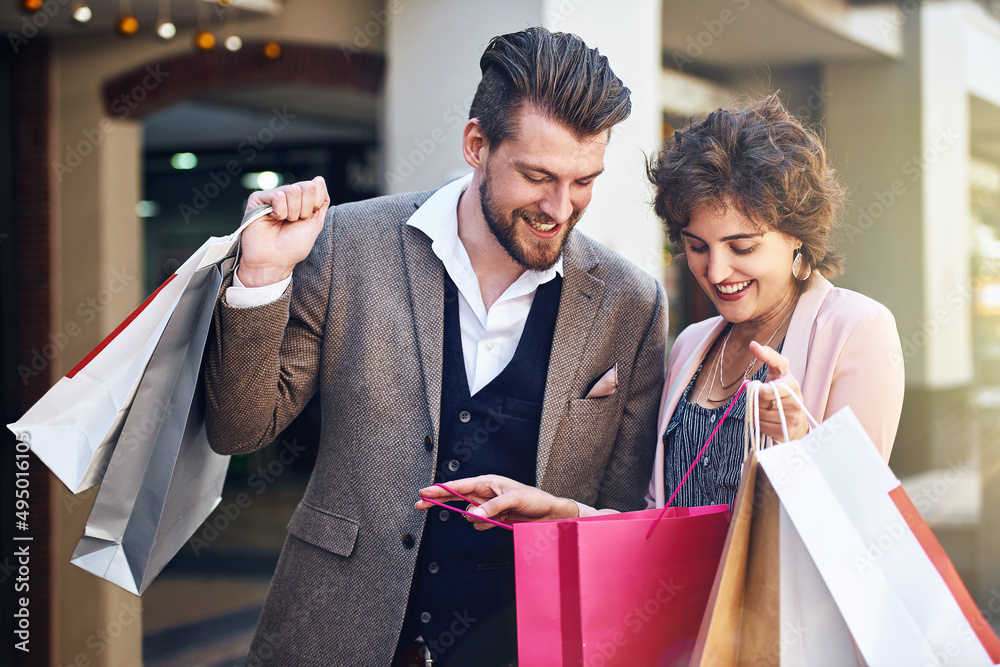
[[556, 73]]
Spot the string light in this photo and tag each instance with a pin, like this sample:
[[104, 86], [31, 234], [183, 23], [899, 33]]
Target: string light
[[204, 40], [81, 13], [165, 28], [272, 50], [234, 43], [31, 6], [126, 25]]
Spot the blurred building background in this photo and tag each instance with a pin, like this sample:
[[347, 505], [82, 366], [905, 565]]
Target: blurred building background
[[120, 154]]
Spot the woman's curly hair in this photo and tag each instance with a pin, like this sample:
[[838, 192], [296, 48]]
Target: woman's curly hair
[[764, 162]]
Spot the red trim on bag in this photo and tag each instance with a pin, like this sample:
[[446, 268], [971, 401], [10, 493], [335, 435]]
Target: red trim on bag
[[947, 570], [569, 592], [121, 327]]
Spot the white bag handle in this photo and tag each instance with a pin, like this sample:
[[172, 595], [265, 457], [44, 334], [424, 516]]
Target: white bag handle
[[752, 436]]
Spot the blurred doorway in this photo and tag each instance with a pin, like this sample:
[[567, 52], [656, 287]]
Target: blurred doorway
[[201, 158]]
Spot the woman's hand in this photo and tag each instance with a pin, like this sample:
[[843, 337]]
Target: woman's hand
[[502, 499], [770, 422]]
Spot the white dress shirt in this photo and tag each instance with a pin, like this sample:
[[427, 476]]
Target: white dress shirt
[[489, 338]]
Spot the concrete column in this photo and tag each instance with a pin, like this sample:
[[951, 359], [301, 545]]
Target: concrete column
[[980, 49], [874, 138], [628, 33], [430, 83], [98, 249], [947, 221]]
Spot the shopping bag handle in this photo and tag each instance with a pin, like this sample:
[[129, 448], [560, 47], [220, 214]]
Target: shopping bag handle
[[251, 216], [696, 459], [455, 509], [752, 436]]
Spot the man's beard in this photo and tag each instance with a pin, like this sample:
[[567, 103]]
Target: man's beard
[[531, 253]]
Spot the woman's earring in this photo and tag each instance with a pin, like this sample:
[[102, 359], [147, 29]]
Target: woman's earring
[[800, 270]]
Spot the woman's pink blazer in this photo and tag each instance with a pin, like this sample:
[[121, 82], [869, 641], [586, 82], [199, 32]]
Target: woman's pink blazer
[[844, 350]]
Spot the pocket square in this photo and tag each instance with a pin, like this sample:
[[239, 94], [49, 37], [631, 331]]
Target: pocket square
[[606, 386]]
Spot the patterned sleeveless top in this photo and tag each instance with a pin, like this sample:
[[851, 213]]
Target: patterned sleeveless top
[[716, 478]]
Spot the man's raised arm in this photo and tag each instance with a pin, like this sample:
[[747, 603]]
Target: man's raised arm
[[263, 350]]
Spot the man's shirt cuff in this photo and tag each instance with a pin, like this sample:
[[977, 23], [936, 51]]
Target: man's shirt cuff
[[241, 296]]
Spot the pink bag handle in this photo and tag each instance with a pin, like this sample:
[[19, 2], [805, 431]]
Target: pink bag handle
[[470, 500], [697, 458]]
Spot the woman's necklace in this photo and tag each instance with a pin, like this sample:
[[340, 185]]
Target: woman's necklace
[[712, 372], [749, 368]]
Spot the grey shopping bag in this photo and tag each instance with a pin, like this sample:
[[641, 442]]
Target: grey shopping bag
[[163, 479]]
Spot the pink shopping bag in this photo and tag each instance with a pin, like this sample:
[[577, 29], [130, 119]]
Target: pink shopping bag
[[610, 590], [596, 592]]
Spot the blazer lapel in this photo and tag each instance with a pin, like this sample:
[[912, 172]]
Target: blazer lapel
[[425, 275], [799, 335], [578, 303]]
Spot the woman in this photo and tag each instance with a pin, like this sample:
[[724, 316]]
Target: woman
[[752, 201]]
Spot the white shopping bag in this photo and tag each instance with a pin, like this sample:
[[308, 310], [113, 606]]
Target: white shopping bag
[[862, 576], [74, 427]]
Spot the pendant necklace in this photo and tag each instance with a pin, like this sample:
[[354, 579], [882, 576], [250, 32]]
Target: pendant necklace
[[749, 368]]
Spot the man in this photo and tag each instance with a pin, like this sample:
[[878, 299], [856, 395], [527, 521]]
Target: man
[[450, 334]]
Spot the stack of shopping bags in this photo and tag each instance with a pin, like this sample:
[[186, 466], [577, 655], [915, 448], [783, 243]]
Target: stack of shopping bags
[[825, 561], [828, 562], [130, 417]]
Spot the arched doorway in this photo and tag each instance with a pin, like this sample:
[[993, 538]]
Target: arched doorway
[[229, 124]]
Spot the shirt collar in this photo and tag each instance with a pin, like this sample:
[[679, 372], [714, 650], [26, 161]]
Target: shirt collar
[[438, 219]]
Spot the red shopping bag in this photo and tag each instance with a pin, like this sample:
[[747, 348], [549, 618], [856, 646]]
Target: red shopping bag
[[596, 592]]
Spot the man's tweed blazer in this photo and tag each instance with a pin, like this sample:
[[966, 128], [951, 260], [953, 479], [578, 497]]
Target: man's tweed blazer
[[362, 323]]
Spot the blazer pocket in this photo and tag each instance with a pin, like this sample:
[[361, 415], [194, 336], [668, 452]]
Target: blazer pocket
[[332, 532], [581, 408]]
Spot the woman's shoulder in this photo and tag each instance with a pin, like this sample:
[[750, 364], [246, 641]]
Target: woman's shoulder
[[847, 318], [848, 308]]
